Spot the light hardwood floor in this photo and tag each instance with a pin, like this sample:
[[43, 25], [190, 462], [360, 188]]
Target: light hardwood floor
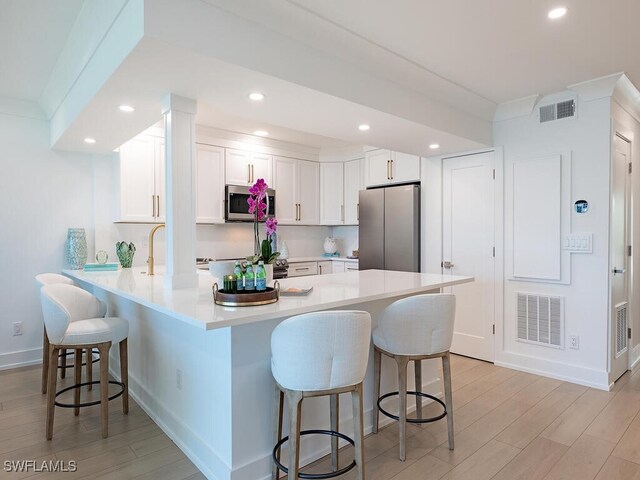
[[509, 426]]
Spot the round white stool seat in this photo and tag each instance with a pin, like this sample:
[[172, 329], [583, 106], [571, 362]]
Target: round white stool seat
[[95, 330]]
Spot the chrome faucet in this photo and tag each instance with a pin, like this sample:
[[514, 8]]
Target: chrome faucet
[[150, 259]]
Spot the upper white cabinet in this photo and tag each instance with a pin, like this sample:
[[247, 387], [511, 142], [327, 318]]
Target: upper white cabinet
[[245, 168], [340, 184], [387, 167], [353, 183], [297, 191], [332, 193], [209, 184], [142, 182]]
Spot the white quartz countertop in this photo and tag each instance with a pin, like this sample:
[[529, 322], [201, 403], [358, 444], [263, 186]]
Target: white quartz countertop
[[320, 258], [195, 305]]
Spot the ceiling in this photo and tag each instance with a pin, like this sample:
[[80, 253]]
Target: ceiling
[[32, 35], [500, 50]]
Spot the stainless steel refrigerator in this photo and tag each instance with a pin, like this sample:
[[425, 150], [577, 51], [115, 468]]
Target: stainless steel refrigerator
[[389, 228]]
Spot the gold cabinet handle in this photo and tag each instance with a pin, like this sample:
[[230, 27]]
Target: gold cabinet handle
[[342, 213], [158, 209], [358, 212], [153, 206], [320, 267], [391, 170], [252, 177], [248, 173]]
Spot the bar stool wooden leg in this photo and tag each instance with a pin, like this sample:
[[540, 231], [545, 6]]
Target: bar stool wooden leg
[[402, 393], [294, 399], [358, 427], [77, 378], [104, 387], [89, 368], [334, 401], [63, 363], [377, 364], [418, 379], [51, 388], [278, 407], [448, 398], [45, 361], [124, 375]]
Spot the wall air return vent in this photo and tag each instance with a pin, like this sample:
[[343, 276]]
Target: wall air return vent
[[557, 111], [540, 319]]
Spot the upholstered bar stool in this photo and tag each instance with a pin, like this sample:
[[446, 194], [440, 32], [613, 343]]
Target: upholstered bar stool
[[317, 354], [51, 279], [411, 330], [73, 321]]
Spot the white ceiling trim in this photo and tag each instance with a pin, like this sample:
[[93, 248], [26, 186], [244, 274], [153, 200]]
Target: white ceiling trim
[[21, 108]]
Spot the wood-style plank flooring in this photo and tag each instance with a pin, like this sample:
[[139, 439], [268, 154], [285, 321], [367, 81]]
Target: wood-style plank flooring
[[509, 425]]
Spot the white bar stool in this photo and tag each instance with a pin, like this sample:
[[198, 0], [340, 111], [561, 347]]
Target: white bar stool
[[415, 329], [51, 279], [73, 321], [317, 354]]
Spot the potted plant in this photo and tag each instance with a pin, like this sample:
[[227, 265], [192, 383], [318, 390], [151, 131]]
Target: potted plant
[[258, 206]]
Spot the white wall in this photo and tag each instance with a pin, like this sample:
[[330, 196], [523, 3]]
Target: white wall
[[42, 193], [586, 297], [346, 238]]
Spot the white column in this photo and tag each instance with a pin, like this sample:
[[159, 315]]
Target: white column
[[179, 118]]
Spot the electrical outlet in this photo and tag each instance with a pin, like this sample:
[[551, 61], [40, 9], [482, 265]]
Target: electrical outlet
[[178, 379], [574, 342], [17, 328]]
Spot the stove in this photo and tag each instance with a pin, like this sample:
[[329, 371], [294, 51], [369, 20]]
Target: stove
[[280, 266]]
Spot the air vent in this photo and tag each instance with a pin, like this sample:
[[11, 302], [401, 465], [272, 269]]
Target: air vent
[[621, 328], [557, 111], [540, 319]]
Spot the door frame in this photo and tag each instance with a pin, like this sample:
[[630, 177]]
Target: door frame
[[619, 130], [432, 227]]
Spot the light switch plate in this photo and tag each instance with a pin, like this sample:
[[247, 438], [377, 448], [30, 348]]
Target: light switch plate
[[578, 243]]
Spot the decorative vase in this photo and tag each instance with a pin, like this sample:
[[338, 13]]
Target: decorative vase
[[76, 248], [125, 252], [284, 250], [330, 246]]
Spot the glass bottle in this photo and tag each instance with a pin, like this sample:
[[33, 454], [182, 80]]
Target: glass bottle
[[239, 277], [249, 279], [261, 277]]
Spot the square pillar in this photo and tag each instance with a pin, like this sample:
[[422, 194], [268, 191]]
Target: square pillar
[[179, 120]]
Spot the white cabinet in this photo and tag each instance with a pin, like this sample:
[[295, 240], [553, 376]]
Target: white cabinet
[[388, 167], [297, 191], [325, 267], [337, 267], [245, 168], [350, 266], [352, 185], [209, 184], [142, 181], [332, 197]]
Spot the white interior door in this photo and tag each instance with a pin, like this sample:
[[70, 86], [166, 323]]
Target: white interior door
[[468, 249], [620, 189]]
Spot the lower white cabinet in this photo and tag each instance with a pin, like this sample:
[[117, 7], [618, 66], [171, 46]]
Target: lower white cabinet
[[325, 267], [209, 184], [338, 267]]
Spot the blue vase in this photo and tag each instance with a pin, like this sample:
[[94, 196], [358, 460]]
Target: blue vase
[[76, 248]]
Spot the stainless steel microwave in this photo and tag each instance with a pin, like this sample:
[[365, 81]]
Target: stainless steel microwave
[[237, 208]]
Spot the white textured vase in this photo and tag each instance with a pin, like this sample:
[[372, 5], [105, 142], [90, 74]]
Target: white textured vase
[[76, 248], [330, 246], [284, 251]]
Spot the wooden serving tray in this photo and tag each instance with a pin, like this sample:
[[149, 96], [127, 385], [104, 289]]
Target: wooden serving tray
[[246, 299]]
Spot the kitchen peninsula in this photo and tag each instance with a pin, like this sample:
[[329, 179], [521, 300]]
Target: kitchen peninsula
[[202, 371]]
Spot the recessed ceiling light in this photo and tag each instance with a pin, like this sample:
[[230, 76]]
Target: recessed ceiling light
[[364, 127], [261, 133], [90, 140], [556, 13], [434, 146], [256, 96], [126, 108]]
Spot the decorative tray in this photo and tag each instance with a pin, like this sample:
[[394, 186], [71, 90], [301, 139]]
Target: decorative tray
[[246, 299]]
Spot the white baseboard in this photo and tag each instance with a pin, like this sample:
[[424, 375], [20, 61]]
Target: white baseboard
[[177, 431], [634, 357], [22, 358], [263, 463], [560, 371]]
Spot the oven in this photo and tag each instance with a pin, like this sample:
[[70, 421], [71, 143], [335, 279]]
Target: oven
[[237, 208]]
